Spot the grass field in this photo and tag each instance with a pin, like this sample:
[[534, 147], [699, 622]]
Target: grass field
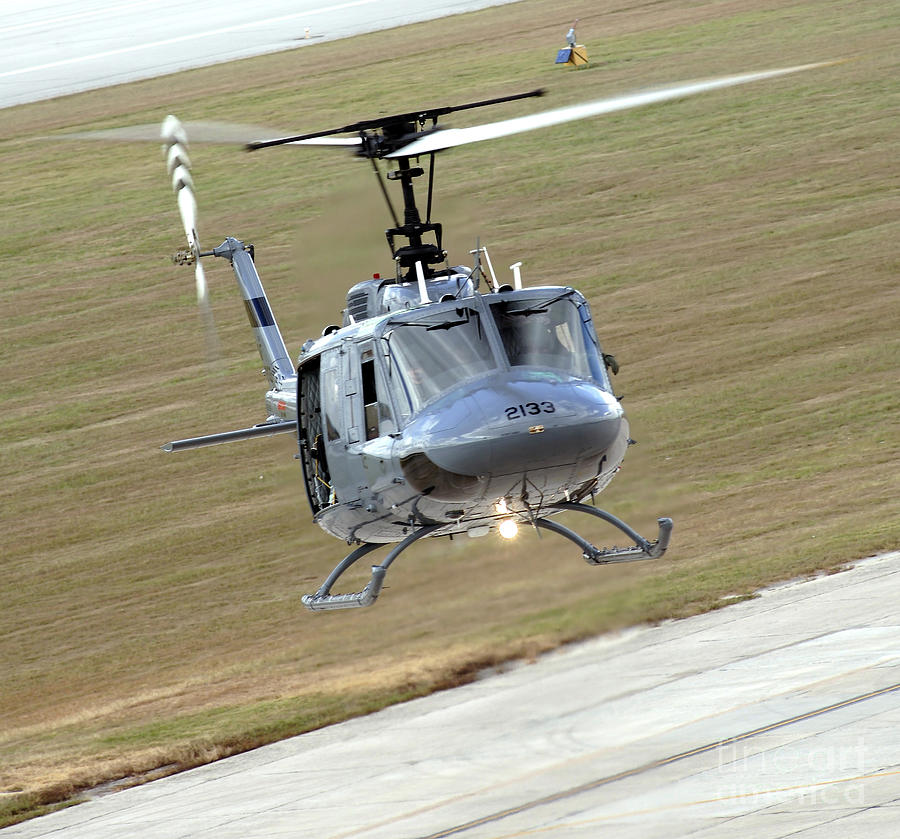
[[739, 250]]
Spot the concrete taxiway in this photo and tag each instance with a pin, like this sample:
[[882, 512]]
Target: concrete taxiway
[[56, 47], [777, 716]]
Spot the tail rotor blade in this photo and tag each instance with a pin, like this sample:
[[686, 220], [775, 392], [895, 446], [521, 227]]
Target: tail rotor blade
[[178, 165], [202, 291], [172, 131], [187, 208]]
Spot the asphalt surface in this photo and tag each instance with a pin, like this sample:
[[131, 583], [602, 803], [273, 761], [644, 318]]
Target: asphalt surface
[[56, 47], [773, 717]]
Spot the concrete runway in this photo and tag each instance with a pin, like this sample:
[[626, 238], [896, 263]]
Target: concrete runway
[[56, 47], [773, 717]]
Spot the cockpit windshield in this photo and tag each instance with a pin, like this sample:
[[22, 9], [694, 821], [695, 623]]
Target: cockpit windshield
[[436, 353], [546, 333]]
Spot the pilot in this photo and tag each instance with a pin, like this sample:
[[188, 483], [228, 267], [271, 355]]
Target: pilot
[[547, 337], [510, 335], [534, 340], [416, 376]]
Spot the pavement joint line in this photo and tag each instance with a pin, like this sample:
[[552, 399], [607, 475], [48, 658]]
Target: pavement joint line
[[656, 764], [736, 796]]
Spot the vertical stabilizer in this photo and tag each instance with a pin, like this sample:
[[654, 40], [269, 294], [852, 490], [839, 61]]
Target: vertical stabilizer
[[276, 360]]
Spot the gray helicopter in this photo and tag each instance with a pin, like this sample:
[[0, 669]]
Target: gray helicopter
[[438, 407]]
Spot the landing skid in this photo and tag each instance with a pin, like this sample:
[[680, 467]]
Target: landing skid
[[642, 548], [323, 600]]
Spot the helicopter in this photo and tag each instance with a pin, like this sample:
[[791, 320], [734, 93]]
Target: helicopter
[[437, 408]]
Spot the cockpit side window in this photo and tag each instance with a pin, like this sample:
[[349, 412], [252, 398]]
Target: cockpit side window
[[434, 354], [595, 356], [543, 334]]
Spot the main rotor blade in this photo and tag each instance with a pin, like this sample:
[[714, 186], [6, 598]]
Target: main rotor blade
[[383, 122], [205, 131], [202, 131], [449, 137], [320, 141]]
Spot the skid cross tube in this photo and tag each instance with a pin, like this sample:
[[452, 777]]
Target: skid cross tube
[[642, 549], [324, 600]]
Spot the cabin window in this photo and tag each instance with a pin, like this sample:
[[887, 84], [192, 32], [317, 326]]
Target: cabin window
[[370, 398], [378, 418], [312, 444], [434, 354], [332, 402], [544, 334]]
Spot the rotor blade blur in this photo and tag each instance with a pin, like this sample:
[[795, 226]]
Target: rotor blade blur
[[324, 139], [211, 336], [202, 290], [449, 137], [203, 131], [174, 136]]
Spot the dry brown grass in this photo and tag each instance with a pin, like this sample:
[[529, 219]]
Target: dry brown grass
[[739, 250]]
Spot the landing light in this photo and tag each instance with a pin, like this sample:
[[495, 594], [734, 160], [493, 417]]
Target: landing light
[[508, 528]]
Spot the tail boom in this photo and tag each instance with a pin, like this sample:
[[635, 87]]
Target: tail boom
[[277, 363]]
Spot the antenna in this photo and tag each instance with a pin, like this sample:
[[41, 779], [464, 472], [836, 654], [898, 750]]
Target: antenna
[[487, 258], [423, 289], [517, 275]]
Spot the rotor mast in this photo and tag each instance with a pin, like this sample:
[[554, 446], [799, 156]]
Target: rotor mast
[[387, 137], [413, 228]]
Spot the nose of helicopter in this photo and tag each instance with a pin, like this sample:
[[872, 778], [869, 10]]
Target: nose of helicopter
[[507, 425]]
